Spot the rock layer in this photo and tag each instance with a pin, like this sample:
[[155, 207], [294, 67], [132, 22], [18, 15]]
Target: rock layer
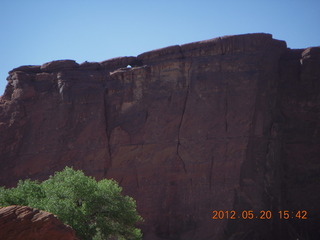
[[230, 123], [24, 223]]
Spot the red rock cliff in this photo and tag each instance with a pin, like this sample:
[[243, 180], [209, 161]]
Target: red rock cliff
[[230, 123]]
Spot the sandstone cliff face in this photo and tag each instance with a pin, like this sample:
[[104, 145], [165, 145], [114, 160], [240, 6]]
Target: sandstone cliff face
[[299, 126], [24, 223], [226, 124]]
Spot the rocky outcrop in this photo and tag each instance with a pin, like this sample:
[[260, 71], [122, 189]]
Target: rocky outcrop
[[230, 123], [24, 223]]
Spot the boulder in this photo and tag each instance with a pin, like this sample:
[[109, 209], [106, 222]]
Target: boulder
[[59, 65], [25, 223]]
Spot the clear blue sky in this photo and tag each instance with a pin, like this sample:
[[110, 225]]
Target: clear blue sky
[[33, 32]]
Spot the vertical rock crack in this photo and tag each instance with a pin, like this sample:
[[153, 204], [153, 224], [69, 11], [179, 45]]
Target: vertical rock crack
[[179, 131], [210, 173], [226, 108], [108, 163], [181, 120]]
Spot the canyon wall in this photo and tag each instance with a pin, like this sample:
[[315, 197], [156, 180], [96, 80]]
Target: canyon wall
[[231, 123]]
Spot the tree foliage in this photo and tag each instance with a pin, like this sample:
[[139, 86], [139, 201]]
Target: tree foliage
[[95, 209]]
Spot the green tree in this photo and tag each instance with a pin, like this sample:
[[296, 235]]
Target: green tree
[[95, 209]]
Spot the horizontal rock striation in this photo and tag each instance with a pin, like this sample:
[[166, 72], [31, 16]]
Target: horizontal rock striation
[[25, 223], [230, 123]]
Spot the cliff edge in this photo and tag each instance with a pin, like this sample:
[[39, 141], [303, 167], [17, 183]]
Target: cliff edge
[[227, 124]]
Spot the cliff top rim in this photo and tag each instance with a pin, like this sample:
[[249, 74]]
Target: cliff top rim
[[119, 62]]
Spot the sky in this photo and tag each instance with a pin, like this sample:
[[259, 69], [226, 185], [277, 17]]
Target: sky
[[33, 32]]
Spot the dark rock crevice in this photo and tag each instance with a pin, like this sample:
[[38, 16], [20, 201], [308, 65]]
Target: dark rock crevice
[[226, 107], [183, 112], [179, 128], [108, 161], [211, 169]]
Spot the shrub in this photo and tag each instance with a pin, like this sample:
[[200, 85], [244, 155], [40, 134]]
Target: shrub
[[95, 209]]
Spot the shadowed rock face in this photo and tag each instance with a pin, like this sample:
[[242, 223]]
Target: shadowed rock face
[[24, 223], [230, 123]]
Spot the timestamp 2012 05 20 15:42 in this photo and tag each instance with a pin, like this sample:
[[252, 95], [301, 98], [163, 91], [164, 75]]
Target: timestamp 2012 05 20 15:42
[[263, 214]]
